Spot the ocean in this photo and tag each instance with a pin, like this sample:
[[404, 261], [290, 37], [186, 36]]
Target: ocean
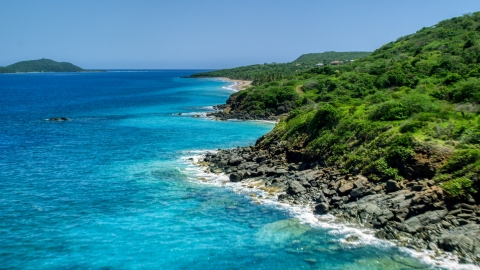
[[114, 187]]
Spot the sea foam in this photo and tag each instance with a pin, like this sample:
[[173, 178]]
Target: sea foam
[[306, 215]]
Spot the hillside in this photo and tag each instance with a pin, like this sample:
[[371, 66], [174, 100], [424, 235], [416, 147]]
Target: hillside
[[41, 65], [263, 73], [407, 111], [390, 141], [328, 57]]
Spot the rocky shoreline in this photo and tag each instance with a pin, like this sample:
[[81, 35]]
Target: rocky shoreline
[[414, 214], [225, 112]]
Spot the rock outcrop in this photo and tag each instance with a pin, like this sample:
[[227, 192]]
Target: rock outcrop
[[412, 213], [225, 112]]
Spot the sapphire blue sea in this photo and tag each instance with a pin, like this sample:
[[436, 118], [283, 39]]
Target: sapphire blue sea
[[111, 188]]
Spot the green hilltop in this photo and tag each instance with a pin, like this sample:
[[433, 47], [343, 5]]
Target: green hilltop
[[41, 65], [263, 73], [328, 57], [408, 111]]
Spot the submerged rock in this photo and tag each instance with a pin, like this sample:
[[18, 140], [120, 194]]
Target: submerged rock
[[352, 238], [58, 119]]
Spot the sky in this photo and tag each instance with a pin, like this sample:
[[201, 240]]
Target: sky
[[210, 34]]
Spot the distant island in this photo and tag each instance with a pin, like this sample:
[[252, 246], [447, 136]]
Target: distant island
[[41, 65]]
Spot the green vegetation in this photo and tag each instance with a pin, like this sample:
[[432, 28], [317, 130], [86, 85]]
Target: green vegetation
[[264, 73], [409, 106], [328, 57], [41, 65], [267, 98]]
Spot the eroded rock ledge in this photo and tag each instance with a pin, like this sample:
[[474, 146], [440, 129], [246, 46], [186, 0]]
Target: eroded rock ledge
[[225, 112], [414, 214]]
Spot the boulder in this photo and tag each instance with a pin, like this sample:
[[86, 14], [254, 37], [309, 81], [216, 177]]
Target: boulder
[[392, 186], [280, 110], [345, 188], [417, 187], [235, 160], [358, 193], [236, 177], [296, 187], [465, 240], [412, 225], [322, 208]]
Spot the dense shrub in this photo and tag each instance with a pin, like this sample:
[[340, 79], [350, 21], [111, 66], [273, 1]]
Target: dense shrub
[[325, 117], [460, 159], [390, 110], [467, 91], [411, 126], [404, 107], [459, 187]]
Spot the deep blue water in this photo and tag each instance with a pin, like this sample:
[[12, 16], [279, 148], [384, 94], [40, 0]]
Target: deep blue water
[[111, 189]]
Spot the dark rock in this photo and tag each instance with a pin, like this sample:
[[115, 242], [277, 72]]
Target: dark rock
[[296, 187], [322, 208], [392, 186], [280, 110], [462, 221], [58, 119], [270, 171], [236, 177], [411, 184], [358, 193], [381, 234], [417, 187], [235, 160]]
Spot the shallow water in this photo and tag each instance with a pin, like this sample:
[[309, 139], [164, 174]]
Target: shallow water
[[111, 188]]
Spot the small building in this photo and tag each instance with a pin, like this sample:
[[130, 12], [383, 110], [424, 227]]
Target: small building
[[319, 64], [335, 63]]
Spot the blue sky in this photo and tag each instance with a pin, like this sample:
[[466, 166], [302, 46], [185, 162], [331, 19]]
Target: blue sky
[[207, 33]]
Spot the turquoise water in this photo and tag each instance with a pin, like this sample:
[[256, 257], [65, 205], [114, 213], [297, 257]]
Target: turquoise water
[[112, 189]]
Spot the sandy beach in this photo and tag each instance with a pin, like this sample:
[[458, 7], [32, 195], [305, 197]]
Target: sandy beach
[[239, 84]]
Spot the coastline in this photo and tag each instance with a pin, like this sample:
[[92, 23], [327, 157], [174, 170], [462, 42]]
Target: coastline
[[364, 211], [349, 233], [237, 85], [415, 216]]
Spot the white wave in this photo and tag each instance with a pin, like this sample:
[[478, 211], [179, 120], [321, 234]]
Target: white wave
[[193, 114], [306, 215], [231, 87]]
